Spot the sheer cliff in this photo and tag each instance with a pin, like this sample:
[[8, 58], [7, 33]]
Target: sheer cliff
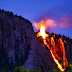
[[19, 45]]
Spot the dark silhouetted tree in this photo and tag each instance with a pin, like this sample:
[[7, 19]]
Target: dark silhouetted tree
[[59, 36], [3, 10], [7, 12], [11, 13], [16, 15]]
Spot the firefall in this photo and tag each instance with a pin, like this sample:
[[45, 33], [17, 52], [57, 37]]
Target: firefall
[[51, 44]]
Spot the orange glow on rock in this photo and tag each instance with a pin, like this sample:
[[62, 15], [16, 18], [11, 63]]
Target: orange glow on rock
[[57, 50], [48, 23], [58, 64], [42, 31]]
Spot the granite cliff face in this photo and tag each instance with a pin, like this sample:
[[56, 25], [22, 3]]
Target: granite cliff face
[[19, 45]]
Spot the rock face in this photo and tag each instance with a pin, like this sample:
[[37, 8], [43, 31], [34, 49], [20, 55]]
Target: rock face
[[69, 50], [19, 45], [60, 48]]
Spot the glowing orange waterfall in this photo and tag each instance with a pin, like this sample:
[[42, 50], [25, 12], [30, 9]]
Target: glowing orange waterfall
[[51, 45]]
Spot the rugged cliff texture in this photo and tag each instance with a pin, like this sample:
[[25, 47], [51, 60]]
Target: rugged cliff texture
[[69, 50], [19, 45], [60, 48]]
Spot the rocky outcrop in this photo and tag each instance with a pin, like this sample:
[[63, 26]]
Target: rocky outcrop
[[69, 50], [19, 45]]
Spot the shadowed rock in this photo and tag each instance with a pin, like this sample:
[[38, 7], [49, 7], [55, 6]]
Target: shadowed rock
[[19, 45]]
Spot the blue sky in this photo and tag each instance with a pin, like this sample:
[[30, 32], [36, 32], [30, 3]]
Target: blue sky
[[36, 10]]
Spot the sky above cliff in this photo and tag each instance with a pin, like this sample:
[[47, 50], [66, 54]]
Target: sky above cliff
[[59, 11]]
